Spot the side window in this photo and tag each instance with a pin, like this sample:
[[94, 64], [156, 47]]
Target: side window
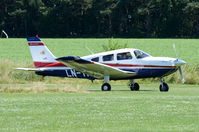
[[124, 56], [96, 59], [108, 57]]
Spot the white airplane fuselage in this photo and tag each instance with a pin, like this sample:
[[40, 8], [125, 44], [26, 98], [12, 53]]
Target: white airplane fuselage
[[119, 64], [146, 67]]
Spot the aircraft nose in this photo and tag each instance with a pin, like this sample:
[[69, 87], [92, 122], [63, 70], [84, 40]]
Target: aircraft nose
[[179, 62]]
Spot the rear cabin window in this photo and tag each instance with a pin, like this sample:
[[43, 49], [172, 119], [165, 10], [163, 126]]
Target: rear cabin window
[[96, 59], [108, 57], [124, 56]]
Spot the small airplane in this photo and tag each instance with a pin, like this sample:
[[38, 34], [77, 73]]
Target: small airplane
[[122, 64]]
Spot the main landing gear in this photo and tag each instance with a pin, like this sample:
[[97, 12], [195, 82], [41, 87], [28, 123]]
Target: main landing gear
[[163, 86], [106, 86], [134, 86]]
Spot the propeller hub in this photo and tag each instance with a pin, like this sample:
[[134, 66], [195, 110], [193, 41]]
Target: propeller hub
[[179, 62]]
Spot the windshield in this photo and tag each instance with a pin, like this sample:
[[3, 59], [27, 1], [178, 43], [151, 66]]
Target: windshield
[[140, 54]]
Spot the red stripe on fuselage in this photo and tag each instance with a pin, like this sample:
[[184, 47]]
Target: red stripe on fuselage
[[49, 64], [129, 65], [58, 64], [36, 44]]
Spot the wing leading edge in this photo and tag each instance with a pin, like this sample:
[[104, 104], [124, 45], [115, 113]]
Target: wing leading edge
[[94, 69]]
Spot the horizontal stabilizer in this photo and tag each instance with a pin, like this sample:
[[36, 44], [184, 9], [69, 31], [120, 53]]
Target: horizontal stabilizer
[[30, 69]]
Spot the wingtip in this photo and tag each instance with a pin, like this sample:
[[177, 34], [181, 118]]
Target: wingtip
[[68, 58], [73, 58]]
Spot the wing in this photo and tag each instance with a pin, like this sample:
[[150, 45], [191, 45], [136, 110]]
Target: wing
[[94, 69]]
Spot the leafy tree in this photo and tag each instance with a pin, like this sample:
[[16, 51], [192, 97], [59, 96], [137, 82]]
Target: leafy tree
[[191, 19], [100, 18], [113, 45]]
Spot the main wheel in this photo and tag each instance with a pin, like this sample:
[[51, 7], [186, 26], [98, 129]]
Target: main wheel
[[164, 87], [106, 87], [134, 87]]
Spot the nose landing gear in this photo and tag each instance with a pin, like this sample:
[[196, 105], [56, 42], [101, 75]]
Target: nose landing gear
[[163, 86]]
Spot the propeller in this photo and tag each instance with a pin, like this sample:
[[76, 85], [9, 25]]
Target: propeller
[[181, 74], [179, 68], [174, 49]]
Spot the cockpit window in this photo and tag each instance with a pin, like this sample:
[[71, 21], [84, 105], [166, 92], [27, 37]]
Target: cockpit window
[[139, 54], [96, 59], [124, 56], [108, 57]]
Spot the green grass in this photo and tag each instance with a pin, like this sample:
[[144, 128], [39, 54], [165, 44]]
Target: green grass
[[17, 49], [118, 110], [31, 103]]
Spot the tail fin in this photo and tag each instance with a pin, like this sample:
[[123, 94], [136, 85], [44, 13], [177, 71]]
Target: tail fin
[[41, 55]]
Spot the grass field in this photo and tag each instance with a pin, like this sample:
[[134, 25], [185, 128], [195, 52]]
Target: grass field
[[31, 103], [93, 110], [187, 49]]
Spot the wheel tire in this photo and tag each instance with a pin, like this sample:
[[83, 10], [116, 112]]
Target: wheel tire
[[106, 87], [164, 87], [134, 87]]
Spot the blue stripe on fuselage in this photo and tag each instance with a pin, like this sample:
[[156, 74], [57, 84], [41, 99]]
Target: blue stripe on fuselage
[[70, 73], [141, 73], [148, 73]]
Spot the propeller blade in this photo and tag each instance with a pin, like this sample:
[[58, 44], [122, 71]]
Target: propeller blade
[[181, 62], [181, 75], [175, 51]]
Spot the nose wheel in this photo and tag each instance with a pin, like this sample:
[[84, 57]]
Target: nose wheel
[[163, 86]]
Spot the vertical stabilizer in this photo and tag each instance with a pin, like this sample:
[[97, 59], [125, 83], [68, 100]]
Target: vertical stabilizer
[[41, 55]]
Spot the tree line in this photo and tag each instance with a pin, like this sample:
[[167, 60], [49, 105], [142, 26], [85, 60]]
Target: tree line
[[100, 18]]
